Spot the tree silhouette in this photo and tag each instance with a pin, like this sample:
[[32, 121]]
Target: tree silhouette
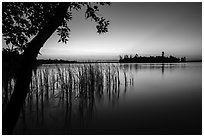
[[150, 59], [21, 22], [26, 27]]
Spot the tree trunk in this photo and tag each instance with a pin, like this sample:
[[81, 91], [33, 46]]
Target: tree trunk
[[24, 75]]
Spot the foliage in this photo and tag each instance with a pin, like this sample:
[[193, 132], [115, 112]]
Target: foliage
[[22, 21]]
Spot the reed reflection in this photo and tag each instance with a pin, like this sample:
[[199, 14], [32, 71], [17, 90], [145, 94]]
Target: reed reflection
[[78, 88]]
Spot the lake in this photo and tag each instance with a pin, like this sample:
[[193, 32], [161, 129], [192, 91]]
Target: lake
[[112, 98]]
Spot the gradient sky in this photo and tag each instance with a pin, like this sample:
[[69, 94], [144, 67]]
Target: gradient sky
[[142, 28]]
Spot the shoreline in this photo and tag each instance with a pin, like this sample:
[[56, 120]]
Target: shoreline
[[75, 62]]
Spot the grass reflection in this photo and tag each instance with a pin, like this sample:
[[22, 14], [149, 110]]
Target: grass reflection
[[69, 93]]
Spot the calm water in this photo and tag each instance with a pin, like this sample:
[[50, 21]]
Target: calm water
[[113, 99]]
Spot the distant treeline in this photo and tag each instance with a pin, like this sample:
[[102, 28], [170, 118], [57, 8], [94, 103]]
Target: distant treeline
[[150, 59], [49, 61], [13, 58]]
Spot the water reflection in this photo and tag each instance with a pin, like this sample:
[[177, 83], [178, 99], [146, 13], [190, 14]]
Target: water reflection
[[128, 67], [69, 90], [77, 98]]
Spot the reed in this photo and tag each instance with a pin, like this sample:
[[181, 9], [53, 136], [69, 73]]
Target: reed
[[87, 80], [82, 83]]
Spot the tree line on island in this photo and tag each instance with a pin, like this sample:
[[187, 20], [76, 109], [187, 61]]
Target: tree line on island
[[150, 59]]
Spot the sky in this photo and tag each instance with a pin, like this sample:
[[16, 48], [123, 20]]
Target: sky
[[142, 28]]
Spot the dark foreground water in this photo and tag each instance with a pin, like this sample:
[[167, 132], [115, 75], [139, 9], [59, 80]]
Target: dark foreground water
[[113, 99]]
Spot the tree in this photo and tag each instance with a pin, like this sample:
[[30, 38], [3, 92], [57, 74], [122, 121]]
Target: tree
[[26, 27], [120, 58], [23, 21], [126, 57]]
